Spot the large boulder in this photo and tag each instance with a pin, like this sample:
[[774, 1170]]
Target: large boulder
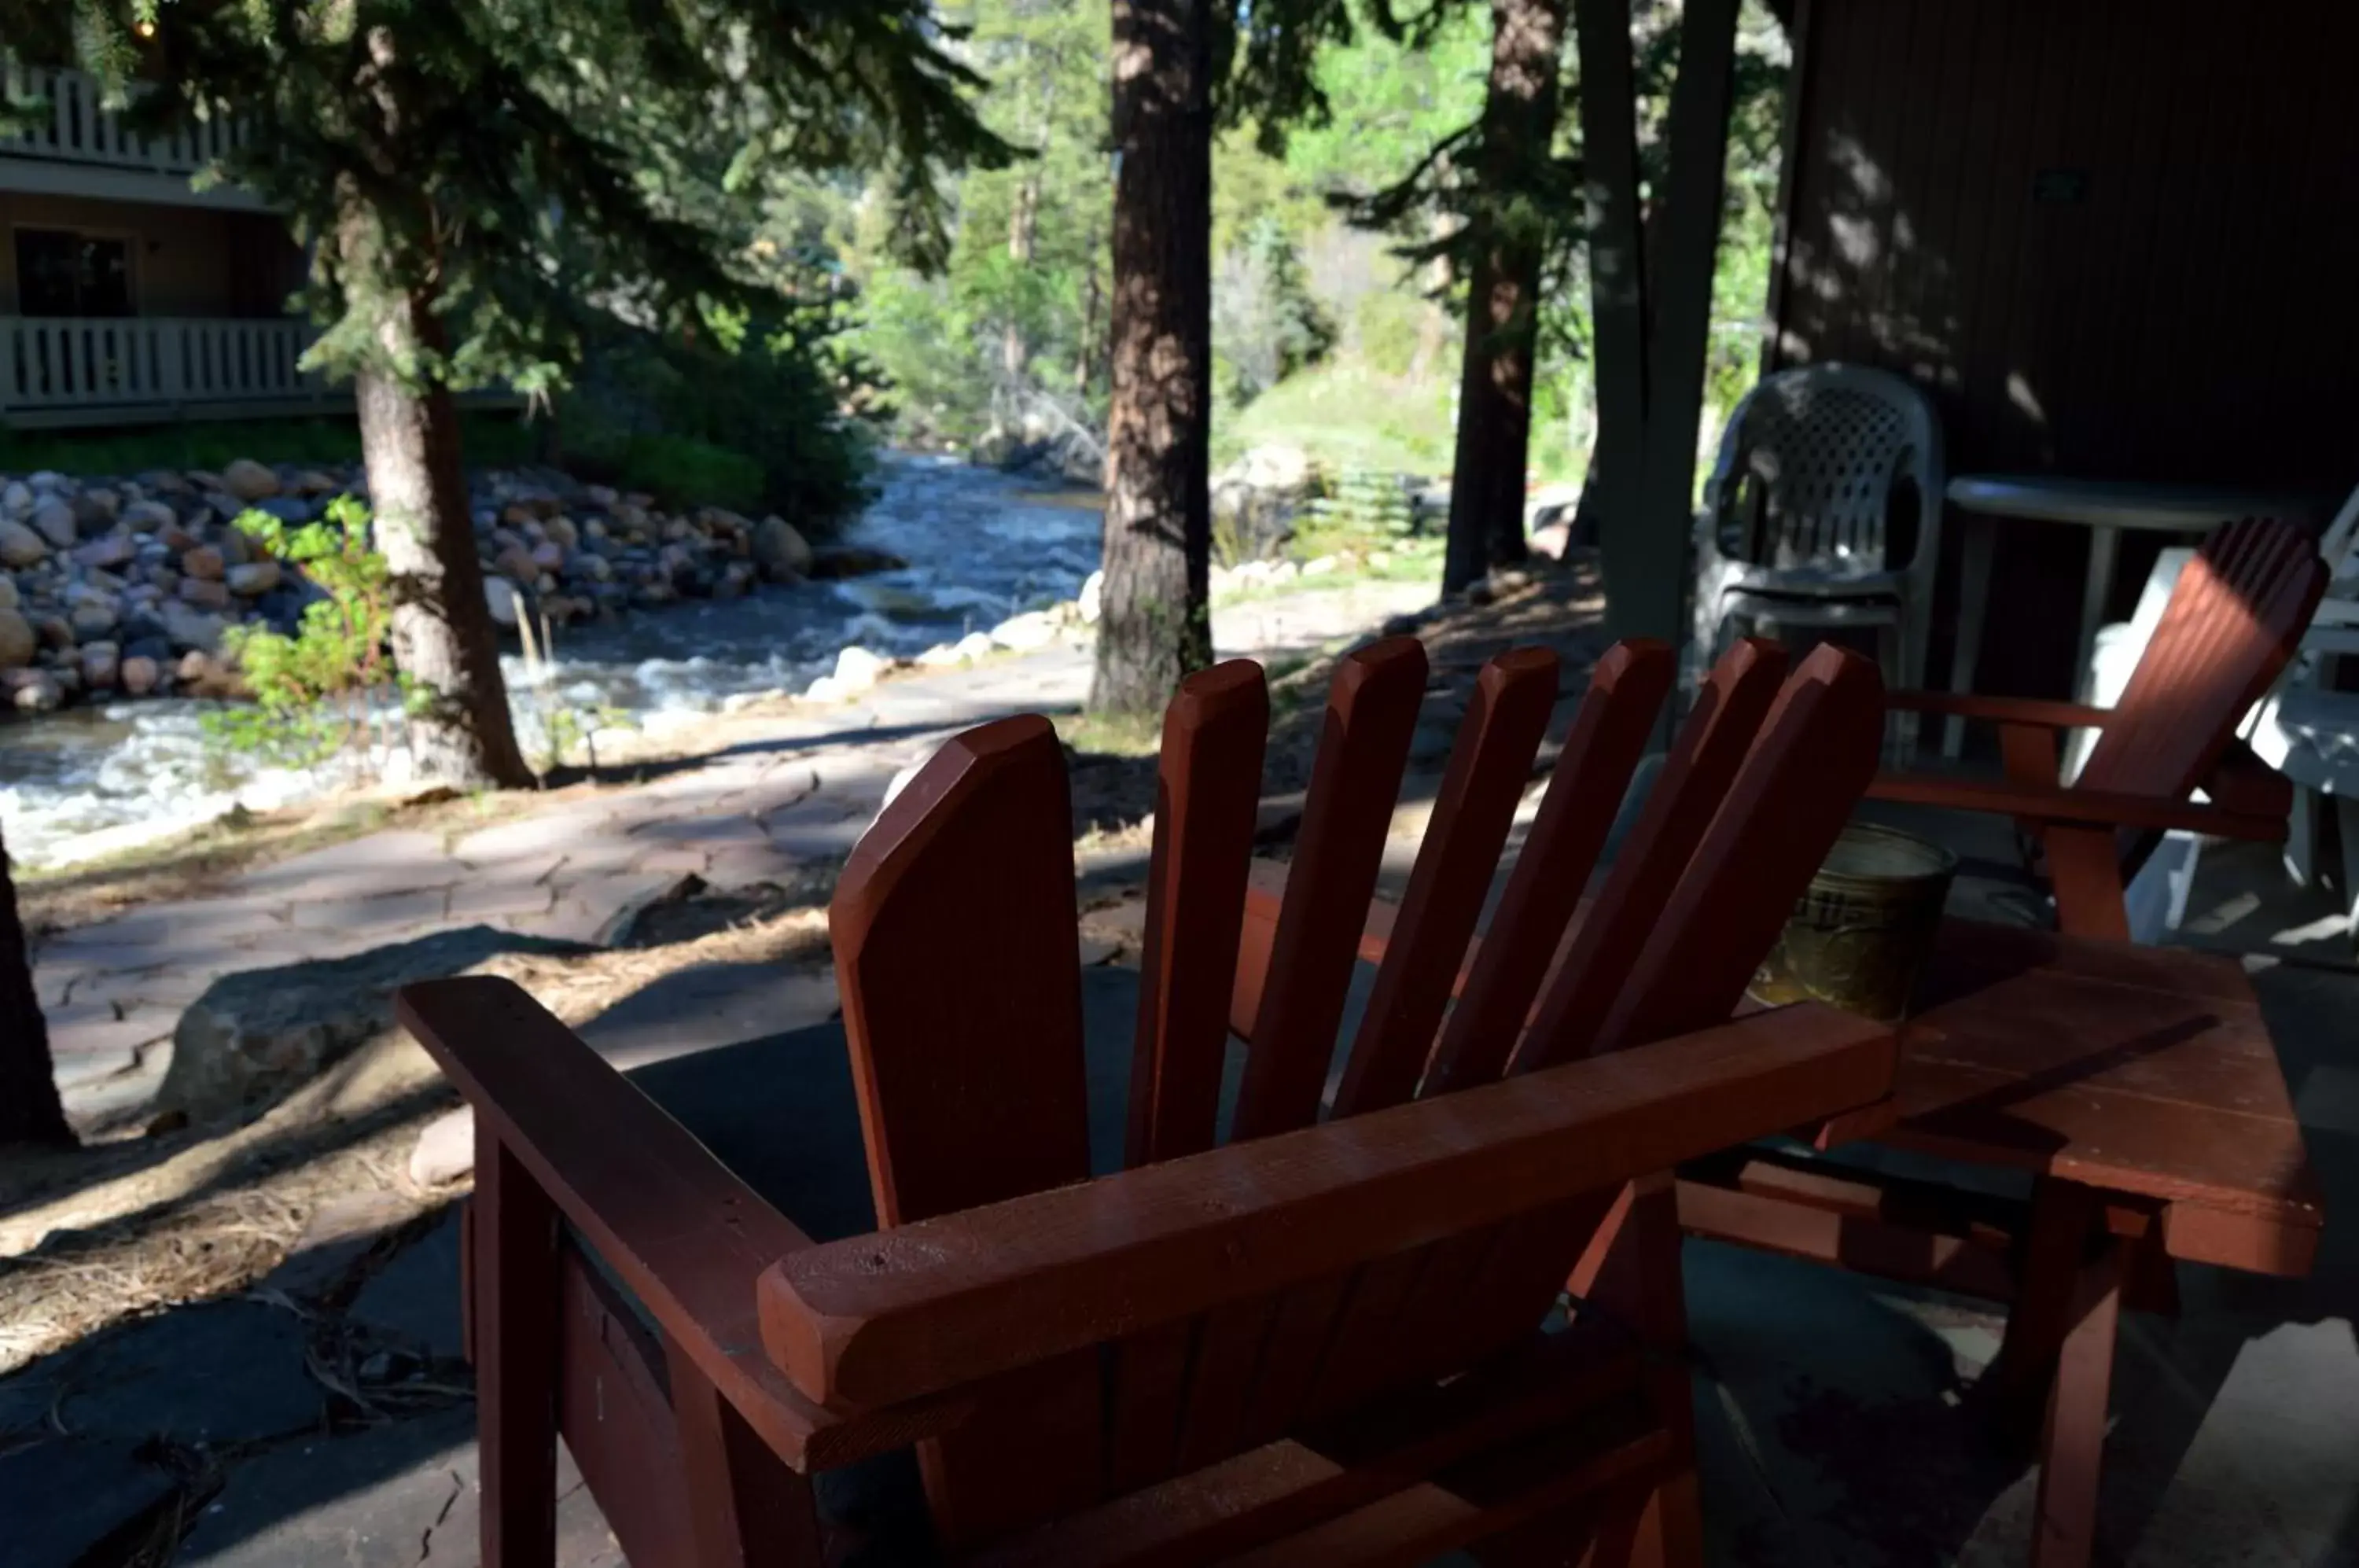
[[255, 1034], [20, 545], [249, 481], [18, 643], [780, 549], [1256, 498]]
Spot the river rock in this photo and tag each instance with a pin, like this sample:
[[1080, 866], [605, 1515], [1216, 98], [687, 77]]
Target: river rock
[[313, 482], [249, 481], [17, 498], [189, 627], [114, 550], [562, 533], [237, 549], [548, 556], [18, 641], [93, 619], [55, 521], [139, 675], [100, 663], [204, 593], [33, 691], [149, 517], [20, 546], [500, 598], [782, 552], [56, 632], [254, 579], [95, 510], [857, 668], [204, 561], [10, 598]]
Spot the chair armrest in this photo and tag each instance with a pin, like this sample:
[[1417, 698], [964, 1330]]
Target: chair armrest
[[2057, 803], [688, 1238], [927, 1307], [2002, 710]]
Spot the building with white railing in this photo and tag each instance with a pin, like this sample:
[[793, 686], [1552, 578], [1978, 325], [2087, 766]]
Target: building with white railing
[[127, 295]]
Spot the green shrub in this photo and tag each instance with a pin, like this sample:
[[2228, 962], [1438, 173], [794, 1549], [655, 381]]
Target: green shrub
[[684, 472], [322, 690]]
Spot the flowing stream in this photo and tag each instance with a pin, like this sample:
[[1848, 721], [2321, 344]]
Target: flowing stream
[[980, 546]]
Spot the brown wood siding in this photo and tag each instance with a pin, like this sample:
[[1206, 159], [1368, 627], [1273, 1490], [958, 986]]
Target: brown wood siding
[[2117, 238]]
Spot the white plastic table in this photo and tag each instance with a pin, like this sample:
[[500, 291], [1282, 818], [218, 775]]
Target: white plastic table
[[2103, 506]]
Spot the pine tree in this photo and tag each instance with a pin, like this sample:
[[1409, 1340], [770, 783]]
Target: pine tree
[[1509, 236], [477, 179], [1156, 623], [30, 1112], [1178, 67]]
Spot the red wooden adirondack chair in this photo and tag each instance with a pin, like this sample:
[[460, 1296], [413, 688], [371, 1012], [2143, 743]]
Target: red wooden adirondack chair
[[1316, 1342], [2232, 624]]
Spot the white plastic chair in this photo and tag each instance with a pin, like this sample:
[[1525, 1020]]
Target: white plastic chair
[[1796, 525]]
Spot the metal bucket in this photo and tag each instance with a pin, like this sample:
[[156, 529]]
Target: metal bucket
[[1863, 928]]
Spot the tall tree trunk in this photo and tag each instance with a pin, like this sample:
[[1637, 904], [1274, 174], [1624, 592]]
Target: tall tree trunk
[[1494, 388], [442, 638], [1155, 626], [1022, 222], [30, 1112]]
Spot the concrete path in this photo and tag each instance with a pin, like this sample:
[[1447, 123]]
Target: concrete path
[[783, 793]]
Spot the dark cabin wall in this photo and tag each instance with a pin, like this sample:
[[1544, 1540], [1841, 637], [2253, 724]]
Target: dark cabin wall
[[2116, 239]]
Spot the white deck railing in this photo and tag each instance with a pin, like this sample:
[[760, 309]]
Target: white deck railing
[[79, 131], [70, 363]]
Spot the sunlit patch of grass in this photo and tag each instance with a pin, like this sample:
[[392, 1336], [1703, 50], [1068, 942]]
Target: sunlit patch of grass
[[1112, 735]]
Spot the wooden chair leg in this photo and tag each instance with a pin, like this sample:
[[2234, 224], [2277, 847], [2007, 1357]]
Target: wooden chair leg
[[2084, 866], [516, 1326], [1634, 1274], [747, 1508], [2063, 1213], [2064, 1520]]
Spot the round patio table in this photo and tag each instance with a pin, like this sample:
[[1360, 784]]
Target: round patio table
[[2103, 506]]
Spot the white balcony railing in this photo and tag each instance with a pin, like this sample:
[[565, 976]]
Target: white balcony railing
[[79, 131], [68, 364]]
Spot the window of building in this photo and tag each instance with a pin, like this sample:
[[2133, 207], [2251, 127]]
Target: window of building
[[63, 273]]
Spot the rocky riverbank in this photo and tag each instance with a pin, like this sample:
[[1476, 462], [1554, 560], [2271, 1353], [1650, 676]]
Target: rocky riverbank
[[124, 586]]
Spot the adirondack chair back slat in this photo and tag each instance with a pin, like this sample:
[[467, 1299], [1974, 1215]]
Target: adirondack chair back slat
[[965, 1038], [1372, 710], [1703, 759], [1600, 751], [1489, 764], [1208, 787], [1782, 814], [2232, 622]]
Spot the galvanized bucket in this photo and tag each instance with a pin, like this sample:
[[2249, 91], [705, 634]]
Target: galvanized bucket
[[1862, 932]]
